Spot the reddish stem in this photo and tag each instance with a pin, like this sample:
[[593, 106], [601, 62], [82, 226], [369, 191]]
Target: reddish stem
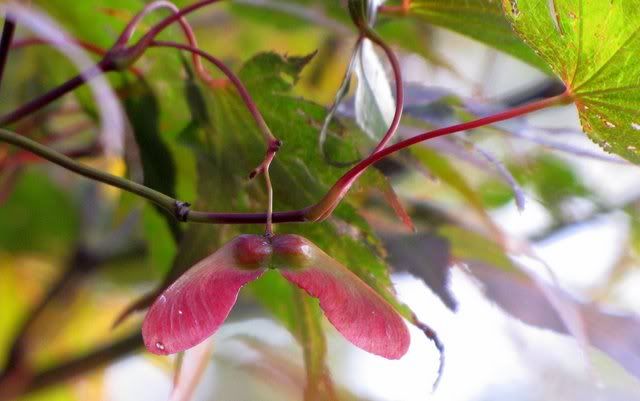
[[397, 76], [146, 40], [108, 63], [242, 90], [402, 9], [327, 204], [90, 47], [186, 28], [103, 65]]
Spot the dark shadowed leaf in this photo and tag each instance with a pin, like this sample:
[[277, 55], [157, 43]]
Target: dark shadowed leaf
[[158, 167], [426, 256]]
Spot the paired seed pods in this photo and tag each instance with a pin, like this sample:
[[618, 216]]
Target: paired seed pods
[[196, 304]]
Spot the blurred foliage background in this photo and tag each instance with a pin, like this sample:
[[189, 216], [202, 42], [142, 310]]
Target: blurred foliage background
[[74, 254]]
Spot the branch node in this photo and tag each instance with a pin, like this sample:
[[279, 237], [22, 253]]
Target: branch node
[[182, 210]]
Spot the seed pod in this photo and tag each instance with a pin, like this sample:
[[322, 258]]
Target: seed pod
[[251, 251], [193, 307]]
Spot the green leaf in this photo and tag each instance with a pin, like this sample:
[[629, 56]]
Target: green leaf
[[592, 45], [142, 110], [553, 179], [97, 21], [41, 212], [482, 20], [443, 169], [161, 244], [158, 167]]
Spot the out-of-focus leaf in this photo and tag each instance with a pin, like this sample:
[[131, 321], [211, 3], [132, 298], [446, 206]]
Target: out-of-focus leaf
[[433, 105], [98, 21], [495, 193], [392, 198], [426, 256], [11, 304], [311, 336], [374, 104], [414, 38], [552, 178], [592, 46], [275, 368], [505, 173], [157, 162], [440, 167], [41, 212], [190, 371], [482, 20], [63, 392], [614, 333], [162, 246], [469, 246]]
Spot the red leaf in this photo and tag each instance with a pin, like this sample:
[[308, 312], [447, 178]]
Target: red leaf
[[193, 307], [357, 311]]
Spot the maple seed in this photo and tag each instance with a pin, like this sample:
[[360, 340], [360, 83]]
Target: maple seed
[[291, 251], [195, 306], [251, 251]]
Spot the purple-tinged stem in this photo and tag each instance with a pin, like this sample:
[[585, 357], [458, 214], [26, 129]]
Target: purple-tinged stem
[[186, 28], [108, 63], [397, 76], [102, 66], [273, 143], [5, 43], [90, 47], [242, 90]]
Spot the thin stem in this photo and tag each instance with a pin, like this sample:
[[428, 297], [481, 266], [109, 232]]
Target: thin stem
[[269, 226], [397, 76], [103, 65], [5, 43], [90, 47], [330, 201], [146, 40], [108, 63], [160, 199], [316, 212], [74, 367], [402, 9], [186, 28], [242, 90]]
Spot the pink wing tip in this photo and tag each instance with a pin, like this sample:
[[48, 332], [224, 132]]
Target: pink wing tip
[[360, 314], [195, 306]]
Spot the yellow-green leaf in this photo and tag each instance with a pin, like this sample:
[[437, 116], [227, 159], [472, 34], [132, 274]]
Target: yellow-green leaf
[[592, 45], [482, 20]]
